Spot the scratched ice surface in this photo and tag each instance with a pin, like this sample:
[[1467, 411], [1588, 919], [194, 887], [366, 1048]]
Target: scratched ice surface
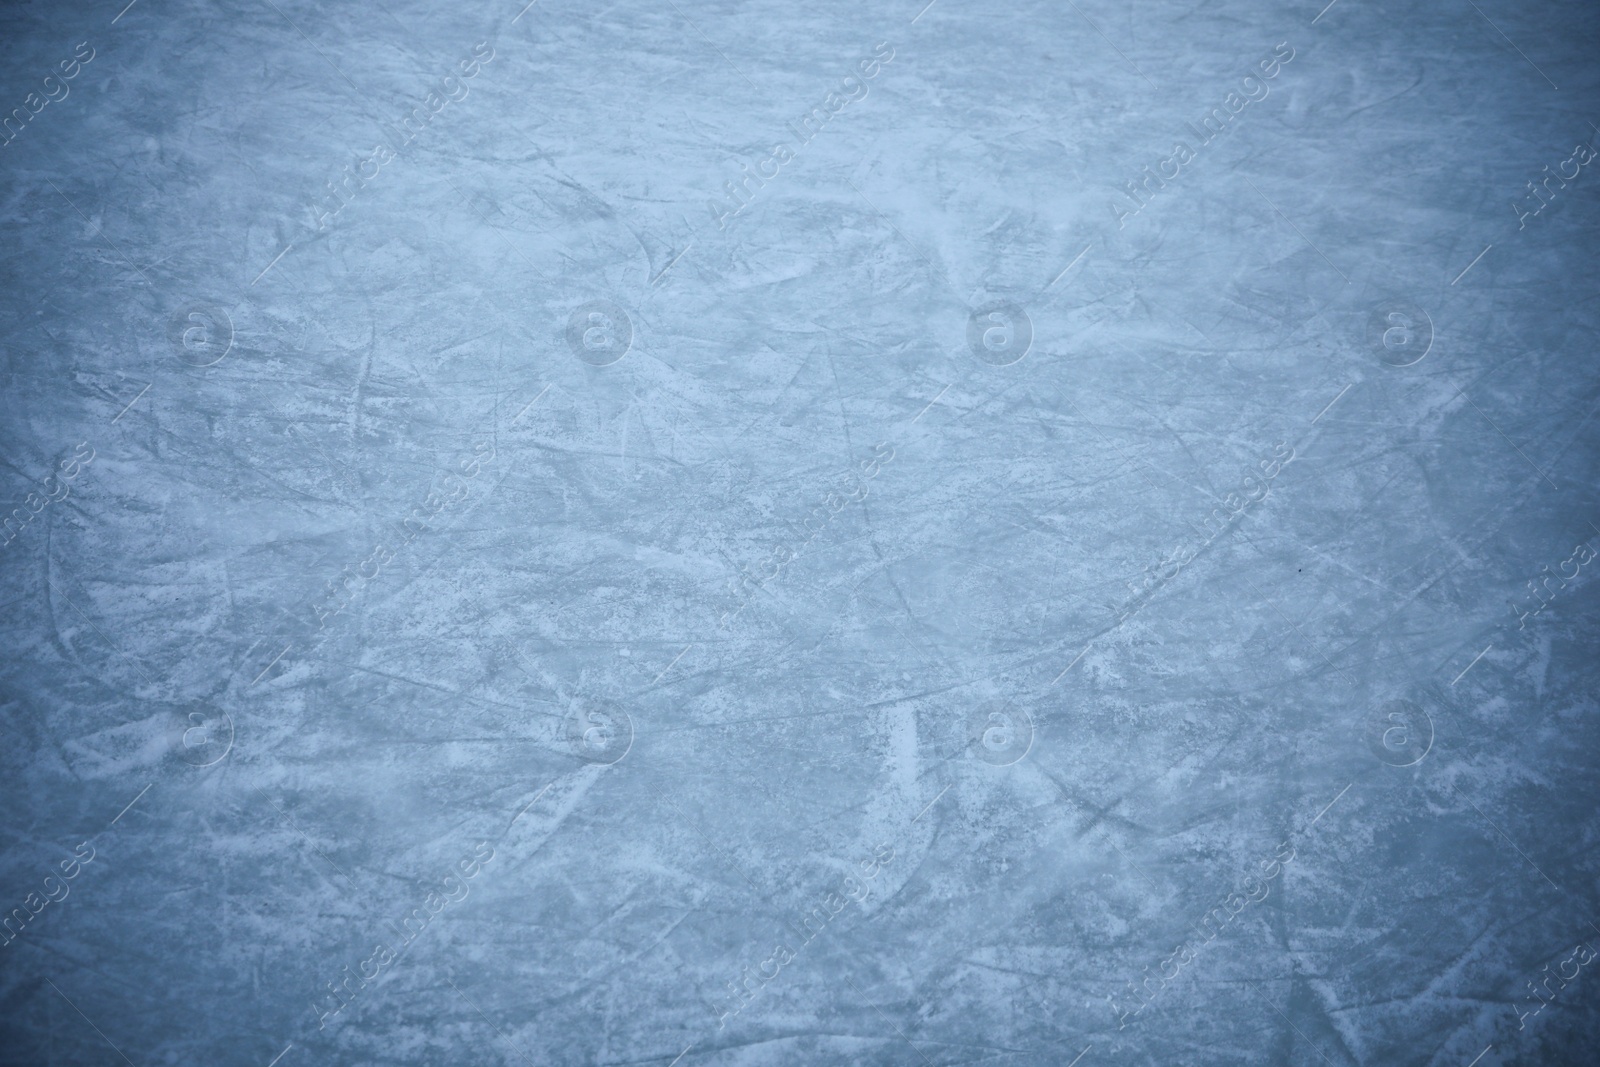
[[785, 534]]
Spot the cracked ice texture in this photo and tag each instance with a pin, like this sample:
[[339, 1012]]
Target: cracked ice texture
[[379, 556]]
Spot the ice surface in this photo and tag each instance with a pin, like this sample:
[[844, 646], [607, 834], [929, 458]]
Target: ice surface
[[788, 534]]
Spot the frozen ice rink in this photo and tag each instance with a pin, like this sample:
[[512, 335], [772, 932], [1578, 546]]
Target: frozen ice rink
[[767, 533]]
